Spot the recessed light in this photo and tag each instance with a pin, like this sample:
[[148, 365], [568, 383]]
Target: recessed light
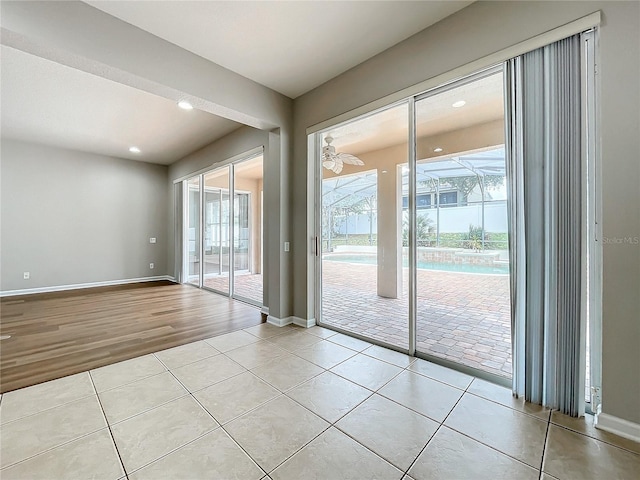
[[437, 149], [384, 171], [459, 103], [183, 104], [134, 149]]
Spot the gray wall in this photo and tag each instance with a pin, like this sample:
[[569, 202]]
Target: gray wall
[[479, 30], [70, 217], [235, 143]]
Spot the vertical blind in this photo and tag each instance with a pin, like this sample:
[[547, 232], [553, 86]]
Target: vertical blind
[[545, 171]]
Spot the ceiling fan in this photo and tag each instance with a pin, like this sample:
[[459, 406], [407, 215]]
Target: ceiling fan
[[335, 161]]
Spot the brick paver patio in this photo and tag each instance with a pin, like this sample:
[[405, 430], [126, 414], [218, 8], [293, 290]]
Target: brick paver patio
[[246, 285], [461, 317]]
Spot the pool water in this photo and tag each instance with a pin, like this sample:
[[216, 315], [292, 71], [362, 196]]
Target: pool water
[[445, 267]]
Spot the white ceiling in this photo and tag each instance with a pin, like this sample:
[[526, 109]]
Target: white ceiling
[[435, 115], [52, 104], [291, 47]]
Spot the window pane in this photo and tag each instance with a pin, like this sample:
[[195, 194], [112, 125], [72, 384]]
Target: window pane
[[364, 284], [216, 230], [248, 177], [463, 299]]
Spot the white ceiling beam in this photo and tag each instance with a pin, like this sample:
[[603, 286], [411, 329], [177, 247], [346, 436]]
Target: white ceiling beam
[[80, 36]]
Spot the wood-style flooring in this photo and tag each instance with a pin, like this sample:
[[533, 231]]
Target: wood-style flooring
[[63, 333]]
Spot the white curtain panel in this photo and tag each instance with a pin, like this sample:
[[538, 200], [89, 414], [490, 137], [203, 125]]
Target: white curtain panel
[[543, 91]]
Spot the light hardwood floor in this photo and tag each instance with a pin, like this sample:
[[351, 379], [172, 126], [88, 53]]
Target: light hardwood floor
[[62, 333]]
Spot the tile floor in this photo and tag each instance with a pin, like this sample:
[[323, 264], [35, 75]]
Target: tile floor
[[288, 403]]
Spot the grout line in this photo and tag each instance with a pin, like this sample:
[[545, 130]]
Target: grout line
[[45, 410], [324, 340], [303, 446], [280, 394], [132, 381], [170, 452], [245, 452], [188, 393], [48, 408], [51, 449], [491, 447], [486, 444], [283, 394], [464, 390], [537, 417], [333, 425], [150, 409], [126, 384], [441, 424], [234, 348], [219, 426], [406, 472], [75, 438], [370, 389], [364, 352], [292, 387], [155, 354], [608, 442], [377, 391], [104, 415], [544, 446]]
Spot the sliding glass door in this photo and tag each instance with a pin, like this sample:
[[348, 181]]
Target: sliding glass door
[[192, 233], [247, 230], [216, 230], [463, 309], [363, 280], [223, 241], [413, 226]]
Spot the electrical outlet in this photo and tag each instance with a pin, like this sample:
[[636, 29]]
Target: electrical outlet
[[151, 265], [286, 246], [26, 275], [152, 240]]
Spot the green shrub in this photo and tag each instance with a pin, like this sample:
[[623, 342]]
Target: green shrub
[[473, 238]]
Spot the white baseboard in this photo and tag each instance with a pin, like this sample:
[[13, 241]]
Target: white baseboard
[[301, 322], [77, 286], [279, 322], [264, 310], [619, 426]]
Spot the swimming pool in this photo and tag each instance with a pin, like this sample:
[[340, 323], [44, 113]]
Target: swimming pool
[[445, 267]]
